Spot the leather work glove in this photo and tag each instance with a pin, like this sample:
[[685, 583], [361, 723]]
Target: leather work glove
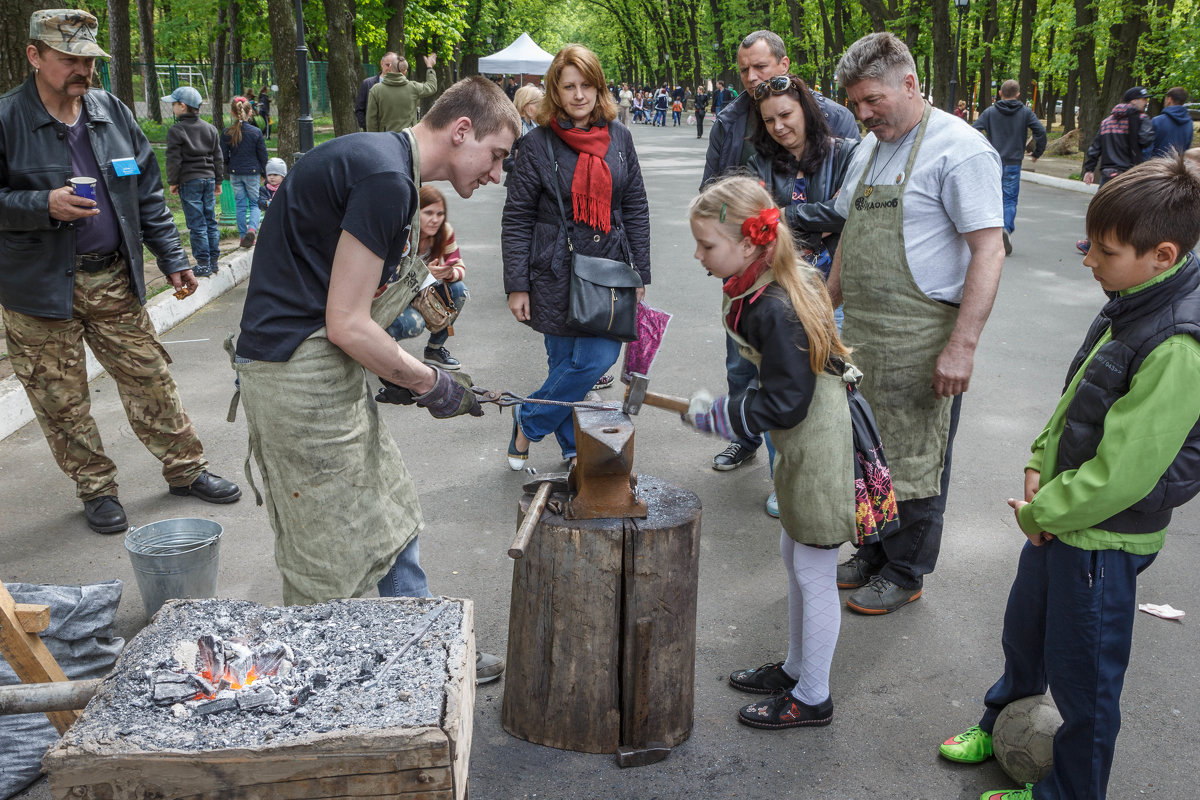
[[708, 415], [394, 393], [450, 396]]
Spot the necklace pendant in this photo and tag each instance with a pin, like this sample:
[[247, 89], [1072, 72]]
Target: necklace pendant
[[868, 190]]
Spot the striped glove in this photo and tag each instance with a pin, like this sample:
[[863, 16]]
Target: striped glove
[[708, 415]]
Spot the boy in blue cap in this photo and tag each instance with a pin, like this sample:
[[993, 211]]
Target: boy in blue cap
[[1121, 450], [195, 170]]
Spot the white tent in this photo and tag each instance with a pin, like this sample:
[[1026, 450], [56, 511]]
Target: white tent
[[522, 57]]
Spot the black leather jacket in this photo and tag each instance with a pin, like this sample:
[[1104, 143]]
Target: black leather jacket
[[37, 253], [809, 220]]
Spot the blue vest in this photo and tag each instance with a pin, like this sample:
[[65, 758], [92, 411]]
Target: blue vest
[[1139, 322]]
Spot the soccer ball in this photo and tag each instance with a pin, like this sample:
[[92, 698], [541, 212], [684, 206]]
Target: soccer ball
[[1023, 738]]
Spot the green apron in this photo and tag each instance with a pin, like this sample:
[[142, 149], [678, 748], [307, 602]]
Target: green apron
[[814, 461], [338, 495], [896, 332]]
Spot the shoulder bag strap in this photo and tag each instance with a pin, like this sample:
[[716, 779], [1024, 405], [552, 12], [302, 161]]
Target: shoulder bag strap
[[568, 223]]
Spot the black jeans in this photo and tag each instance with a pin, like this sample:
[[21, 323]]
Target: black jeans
[[911, 552]]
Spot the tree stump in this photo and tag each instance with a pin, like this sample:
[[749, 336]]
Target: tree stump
[[603, 618]]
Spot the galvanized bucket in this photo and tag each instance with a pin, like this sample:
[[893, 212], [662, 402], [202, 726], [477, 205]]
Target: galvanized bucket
[[174, 558]]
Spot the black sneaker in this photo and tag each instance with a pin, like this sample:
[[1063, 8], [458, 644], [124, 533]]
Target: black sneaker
[[1007, 242], [733, 457], [785, 711], [440, 357], [202, 270], [247, 240], [855, 572], [767, 679]]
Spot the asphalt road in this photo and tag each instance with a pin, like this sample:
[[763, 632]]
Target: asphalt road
[[901, 683]]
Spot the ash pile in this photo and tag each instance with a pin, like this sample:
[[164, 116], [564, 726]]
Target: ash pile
[[227, 674]]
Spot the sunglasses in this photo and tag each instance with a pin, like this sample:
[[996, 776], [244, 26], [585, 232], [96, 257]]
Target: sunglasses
[[777, 85]]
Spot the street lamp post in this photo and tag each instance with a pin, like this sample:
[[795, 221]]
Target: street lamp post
[[962, 6], [306, 120]]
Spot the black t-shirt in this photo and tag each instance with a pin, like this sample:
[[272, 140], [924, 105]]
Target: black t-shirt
[[360, 183]]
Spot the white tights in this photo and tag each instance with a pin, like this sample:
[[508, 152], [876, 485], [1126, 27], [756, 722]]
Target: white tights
[[814, 617]]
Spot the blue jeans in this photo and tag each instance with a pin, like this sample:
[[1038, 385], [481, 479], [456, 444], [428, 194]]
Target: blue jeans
[[410, 323], [1010, 184], [575, 364], [405, 578], [911, 552], [675, 115], [245, 193], [1069, 625], [660, 117], [198, 211]]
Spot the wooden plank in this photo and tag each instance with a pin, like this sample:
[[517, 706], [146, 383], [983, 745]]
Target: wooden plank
[[26, 653], [389, 784], [33, 618], [459, 717]]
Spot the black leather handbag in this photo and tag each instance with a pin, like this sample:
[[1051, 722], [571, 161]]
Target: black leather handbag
[[602, 299]]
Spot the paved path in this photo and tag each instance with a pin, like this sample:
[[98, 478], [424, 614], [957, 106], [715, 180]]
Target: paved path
[[901, 683]]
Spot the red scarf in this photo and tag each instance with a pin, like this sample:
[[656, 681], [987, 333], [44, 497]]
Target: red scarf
[[591, 188], [740, 284]]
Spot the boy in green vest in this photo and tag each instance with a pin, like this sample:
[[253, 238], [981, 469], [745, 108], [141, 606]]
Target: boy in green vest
[[1121, 450]]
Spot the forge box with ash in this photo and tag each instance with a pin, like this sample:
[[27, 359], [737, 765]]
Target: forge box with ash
[[231, 699]]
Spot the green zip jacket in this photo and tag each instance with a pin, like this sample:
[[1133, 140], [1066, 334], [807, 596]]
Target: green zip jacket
[[1143, 433], [393, 102]]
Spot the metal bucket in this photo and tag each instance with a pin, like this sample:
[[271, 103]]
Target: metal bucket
[[175, 558]]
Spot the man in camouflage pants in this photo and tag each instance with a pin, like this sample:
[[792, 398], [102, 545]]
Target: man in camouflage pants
[[71, 259]]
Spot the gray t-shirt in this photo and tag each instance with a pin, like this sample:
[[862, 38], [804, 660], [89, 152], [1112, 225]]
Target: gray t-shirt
[[954, 189]]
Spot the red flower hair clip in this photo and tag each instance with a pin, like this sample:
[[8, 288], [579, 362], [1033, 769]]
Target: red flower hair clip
[[761, 227]]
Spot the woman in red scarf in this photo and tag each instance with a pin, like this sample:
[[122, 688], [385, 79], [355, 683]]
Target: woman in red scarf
[[579, 144]]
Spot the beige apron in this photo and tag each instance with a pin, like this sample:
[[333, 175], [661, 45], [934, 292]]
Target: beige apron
[[897, 333], [338, 495], [814, 461]]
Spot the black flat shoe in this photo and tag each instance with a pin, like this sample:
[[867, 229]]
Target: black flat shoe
[[516, 458], [785, 711], [767, 679], [209, 488]]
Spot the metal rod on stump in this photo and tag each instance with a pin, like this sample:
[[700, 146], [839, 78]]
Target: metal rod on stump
[[306, 120]]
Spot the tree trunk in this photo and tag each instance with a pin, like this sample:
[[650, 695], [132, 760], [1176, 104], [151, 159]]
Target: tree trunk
[[340, 75], [1123, 51], [145, 12], [943, 53], [395, 26], [281, 22], [1069, 101], [219, 69], [987, 93], [1028, 15], [1083, 44], [14, 36], [120, 66]]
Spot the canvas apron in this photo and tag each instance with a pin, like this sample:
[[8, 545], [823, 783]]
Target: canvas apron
[[338, 495], [896, 332], [814, 461]]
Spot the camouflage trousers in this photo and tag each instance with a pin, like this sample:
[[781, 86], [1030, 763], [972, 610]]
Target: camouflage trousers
[[48, 358]]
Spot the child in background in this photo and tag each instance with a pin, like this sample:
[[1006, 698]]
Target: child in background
[[1121, 450], [194, 172], [245, 152], [676, 113], [276, 172], [778, 311], [439, 250]]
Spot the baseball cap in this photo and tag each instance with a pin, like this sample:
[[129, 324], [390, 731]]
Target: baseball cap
[[276, 166], [66, 30], [186, 95], [1136, 93]]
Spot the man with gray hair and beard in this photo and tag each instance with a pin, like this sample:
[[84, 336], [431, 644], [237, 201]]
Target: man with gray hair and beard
[[917, 271]]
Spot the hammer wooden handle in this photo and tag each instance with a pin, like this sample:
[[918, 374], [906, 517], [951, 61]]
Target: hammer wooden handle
[[667, 401], [532, 517]]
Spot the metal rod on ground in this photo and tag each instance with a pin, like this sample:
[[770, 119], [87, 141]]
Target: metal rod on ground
[[37, 698]]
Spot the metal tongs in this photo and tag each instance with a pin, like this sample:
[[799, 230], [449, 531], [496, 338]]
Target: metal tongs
[[506, 399]]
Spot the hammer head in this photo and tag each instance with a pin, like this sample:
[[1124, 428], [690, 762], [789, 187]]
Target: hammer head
[[652, 753], [636, 394]]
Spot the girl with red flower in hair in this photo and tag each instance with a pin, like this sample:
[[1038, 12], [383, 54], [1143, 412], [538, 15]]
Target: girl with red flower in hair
[[580, 152], [777, 310]]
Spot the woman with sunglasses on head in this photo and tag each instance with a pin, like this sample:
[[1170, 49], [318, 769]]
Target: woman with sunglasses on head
[[579, 154], [802, 165]]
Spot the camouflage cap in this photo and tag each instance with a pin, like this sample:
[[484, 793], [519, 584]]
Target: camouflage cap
[[66, 30]]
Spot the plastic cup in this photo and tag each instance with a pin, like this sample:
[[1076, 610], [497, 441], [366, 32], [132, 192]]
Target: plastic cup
[[84, 187]]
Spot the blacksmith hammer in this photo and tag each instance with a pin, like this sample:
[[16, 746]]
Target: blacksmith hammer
[[638, 394], [551, 482]]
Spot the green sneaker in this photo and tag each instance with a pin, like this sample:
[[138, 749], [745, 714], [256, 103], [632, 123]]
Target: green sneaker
[[1009, 794], [972, 746]]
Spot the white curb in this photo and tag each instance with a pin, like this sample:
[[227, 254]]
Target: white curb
[[1059, 183], [165, 312]]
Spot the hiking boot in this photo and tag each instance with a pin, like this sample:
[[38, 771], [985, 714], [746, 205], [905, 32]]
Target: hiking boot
[[773, 505], [855, 572], [209, 488], [1007, 242], [881, 596], [487, 667], [440, 357], [767, 679], [972, 746], [1009, 794], [105, 514], [202, 270], [732, 457], [785, 711]]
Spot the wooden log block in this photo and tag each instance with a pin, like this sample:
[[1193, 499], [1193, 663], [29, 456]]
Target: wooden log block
[[576, 676], [26, 653], [33, 618]]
